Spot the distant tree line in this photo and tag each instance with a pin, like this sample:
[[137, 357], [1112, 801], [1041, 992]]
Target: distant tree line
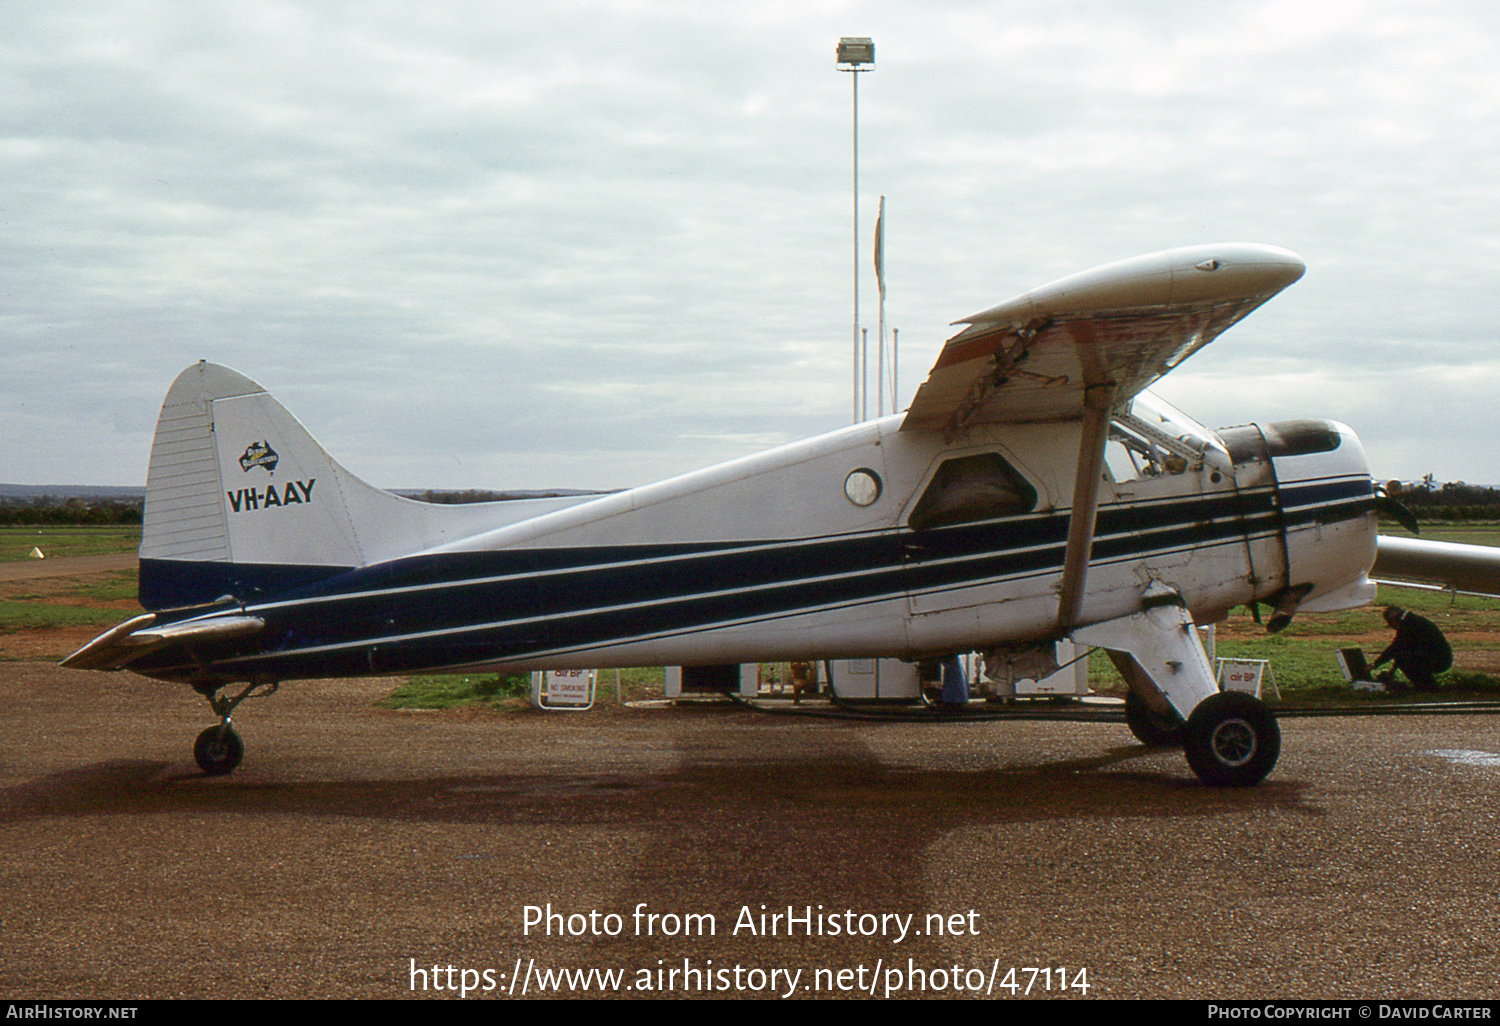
[[479, 495], [454, 498], [16, 510], [48, 509], [1454, 500], [1428, 500]]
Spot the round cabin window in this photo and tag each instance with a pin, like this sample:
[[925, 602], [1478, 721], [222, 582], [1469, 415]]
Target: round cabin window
[[862, 486]]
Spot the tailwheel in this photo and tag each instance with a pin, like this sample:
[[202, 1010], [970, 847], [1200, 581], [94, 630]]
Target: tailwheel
[[218, 750], [1232, 740], [1151, 728]]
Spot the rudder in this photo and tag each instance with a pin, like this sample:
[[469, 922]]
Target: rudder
[[235, 479]]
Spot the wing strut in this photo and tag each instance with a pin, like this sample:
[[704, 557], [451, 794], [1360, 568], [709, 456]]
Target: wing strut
[[1098, 400]]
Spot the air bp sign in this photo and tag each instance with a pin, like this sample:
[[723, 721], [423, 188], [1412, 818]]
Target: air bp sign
[[565, 689]]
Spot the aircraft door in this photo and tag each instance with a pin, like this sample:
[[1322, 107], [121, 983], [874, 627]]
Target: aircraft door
[[961, 541]]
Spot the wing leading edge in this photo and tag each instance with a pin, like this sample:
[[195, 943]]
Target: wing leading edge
[[1123, 325]]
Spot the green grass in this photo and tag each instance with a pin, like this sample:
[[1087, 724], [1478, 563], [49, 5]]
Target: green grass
[[512, 691], [111, 587], [15, 616], [1446, 530], [1306, 673], [1450, 612], [456, 691], [57, 542], [1302, 656], [97, 586]]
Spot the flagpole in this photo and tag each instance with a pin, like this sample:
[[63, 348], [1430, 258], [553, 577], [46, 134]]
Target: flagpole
[[895, 369], [880, 284], [864, 358]]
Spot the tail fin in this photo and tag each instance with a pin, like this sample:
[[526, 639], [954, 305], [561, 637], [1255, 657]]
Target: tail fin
[[242, 502]]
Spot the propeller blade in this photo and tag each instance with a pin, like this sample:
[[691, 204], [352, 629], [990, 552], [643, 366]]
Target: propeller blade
[[1390, 507]]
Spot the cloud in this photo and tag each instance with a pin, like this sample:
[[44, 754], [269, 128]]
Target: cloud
[[480, 245]]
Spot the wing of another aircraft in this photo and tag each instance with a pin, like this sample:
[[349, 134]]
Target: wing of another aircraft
[[1449, 565], [1124, 325]]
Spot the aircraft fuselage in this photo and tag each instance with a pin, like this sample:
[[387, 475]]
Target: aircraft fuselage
[[820, 549]]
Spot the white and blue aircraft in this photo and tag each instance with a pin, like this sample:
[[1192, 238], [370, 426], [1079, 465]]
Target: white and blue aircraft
[[1034, 491]]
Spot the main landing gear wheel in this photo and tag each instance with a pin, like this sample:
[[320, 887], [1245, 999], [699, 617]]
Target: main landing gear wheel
[[1232, 740], [1151, 728], [218, 750]]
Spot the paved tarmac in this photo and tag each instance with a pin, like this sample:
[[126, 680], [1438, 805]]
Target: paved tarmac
[[355, 845]]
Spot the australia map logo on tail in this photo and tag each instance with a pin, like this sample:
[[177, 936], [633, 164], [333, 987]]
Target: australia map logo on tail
[[259, 454]]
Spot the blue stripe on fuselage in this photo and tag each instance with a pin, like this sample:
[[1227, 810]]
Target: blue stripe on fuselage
[[432, 610]]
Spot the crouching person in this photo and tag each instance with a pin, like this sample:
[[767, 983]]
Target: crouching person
[[1419, 649]]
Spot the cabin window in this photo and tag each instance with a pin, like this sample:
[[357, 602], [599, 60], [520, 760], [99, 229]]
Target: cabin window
[[1156, 414], [862, 487], [1132, 456], [970, 488]]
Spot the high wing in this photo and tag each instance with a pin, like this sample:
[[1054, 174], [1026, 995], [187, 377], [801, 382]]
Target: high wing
[[1120, 326], [1084, 346]]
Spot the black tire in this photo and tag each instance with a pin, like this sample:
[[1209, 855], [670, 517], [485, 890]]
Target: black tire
[[1232, 740], [1151, 728], [218, 751]]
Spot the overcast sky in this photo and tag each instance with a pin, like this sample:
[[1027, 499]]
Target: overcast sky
[[591, 244]]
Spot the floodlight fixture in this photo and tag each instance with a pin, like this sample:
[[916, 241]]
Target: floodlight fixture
[[856, 51]]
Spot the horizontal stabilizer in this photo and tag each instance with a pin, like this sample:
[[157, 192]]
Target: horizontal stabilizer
[[115, 649]]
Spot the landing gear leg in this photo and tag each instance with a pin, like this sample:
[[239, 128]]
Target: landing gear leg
[[1151, 728], [1230, 738], [219, 750]]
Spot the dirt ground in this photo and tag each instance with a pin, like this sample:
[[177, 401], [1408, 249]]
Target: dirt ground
[[362, 852], [357, 846]]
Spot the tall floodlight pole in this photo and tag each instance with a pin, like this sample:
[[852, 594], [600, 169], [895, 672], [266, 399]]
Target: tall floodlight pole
[[856, 54]]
